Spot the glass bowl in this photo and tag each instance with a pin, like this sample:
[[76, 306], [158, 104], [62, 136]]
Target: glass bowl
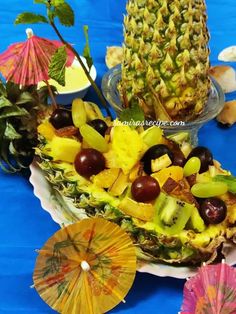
[[213, 107]]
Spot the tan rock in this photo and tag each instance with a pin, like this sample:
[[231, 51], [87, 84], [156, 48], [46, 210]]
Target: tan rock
[[228, 114], [225, 76], [228, 54], [114, 56]]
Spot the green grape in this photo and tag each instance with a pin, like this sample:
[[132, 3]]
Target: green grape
[[93, 138], [209, 189], [79, 115], [152, 136], [192, 166]]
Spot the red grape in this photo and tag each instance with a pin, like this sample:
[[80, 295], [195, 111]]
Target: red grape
[[99, 125], [204, 155], [61, 118], [145, 189], [213, 210], [89, 162]]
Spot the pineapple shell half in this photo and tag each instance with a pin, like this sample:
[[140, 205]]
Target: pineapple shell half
[[186, 248]]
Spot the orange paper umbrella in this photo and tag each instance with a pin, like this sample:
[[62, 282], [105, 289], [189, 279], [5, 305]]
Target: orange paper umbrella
[[86, 268], [27, 63]]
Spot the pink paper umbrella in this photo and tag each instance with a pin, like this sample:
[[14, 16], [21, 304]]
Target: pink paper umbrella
[[211, 291], [27, 63]]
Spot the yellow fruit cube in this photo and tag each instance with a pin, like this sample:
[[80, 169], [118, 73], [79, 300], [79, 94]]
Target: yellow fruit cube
[[106, 178], [119, 185], [174, 172], [135, 172], [160, 163], [64, 149], [141, 211], [46, 130], [126, 148]]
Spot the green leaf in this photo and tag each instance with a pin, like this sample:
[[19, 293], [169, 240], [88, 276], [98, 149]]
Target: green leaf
[[3, 167], [3, 89], [4, 102], [4, 156], [2, 129], [25, 98], [10, 133], [30, 18], [13, 91], [51, 15], [41, 1], [132, 116], [86, 52], [229, 180], [57, 66], [65, 14], [56, 3], [13, 111]]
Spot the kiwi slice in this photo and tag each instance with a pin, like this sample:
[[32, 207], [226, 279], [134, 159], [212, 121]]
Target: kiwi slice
[[171, 214], [196, 222]]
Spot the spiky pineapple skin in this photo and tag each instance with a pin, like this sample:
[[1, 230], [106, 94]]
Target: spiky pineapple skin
[[166, 57]]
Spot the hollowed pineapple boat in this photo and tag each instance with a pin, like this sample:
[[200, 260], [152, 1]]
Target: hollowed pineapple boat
[[176, 202]]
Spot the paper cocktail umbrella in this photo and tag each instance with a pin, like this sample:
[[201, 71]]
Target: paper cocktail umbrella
[[211, 291], [27, 63], [87, 267]]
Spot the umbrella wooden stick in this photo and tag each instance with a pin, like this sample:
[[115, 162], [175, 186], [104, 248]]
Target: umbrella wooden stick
[[54, 104]]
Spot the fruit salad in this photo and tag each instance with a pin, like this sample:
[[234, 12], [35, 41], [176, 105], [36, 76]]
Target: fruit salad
[[175, 201]]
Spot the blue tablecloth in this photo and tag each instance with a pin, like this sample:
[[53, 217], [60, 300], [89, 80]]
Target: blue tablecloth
[[24, 226]]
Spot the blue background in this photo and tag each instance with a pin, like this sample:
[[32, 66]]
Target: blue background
[[24, 226]]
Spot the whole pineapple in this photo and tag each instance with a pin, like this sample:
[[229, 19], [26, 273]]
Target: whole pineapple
[[166, 58]]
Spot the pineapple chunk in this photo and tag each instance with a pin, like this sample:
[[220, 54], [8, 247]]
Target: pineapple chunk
[[106, 178], [232, 214], [136, 172], [119, 185], [141, 211], [174, 172], [186, 149], [64, 149], [203, 177], [161, 163], [126, 148], [213, 231], [46, 130]]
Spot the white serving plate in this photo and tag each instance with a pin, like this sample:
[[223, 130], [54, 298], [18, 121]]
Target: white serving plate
[[63, 212]]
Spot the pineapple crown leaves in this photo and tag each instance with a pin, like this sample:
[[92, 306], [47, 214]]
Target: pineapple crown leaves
[[55, 8], [17, 125]]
